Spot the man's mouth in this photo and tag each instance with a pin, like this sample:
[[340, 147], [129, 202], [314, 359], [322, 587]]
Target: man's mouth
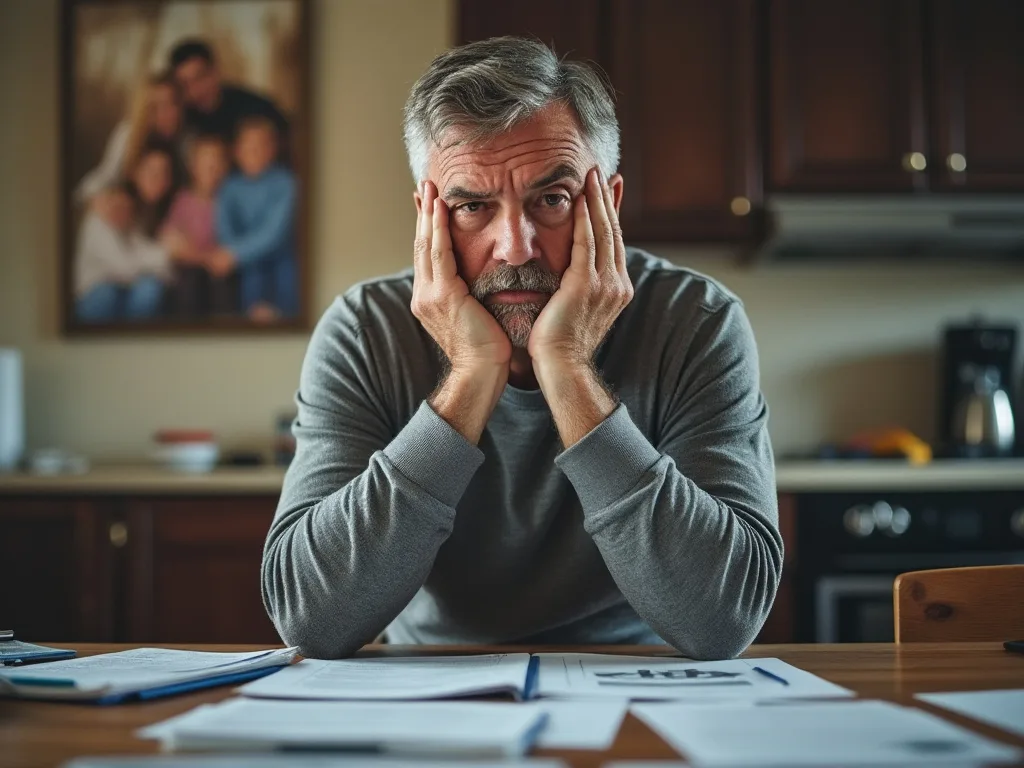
[[518, 297]]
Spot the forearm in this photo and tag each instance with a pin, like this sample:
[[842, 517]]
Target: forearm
[[578, 399], [702, 572], [465, 399], [338, 570]]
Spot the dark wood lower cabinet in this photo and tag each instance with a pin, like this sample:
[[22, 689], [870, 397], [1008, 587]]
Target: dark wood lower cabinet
[[171, 569], [134, 569]]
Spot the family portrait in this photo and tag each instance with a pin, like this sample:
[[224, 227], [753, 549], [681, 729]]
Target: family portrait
[[185, 153]]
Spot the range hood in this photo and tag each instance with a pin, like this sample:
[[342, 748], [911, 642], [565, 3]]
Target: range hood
[[819, 227]]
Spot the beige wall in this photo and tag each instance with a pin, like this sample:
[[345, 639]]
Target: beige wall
[[841, 347]]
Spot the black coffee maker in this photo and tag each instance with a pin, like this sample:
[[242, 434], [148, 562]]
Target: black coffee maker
[[978, 398]]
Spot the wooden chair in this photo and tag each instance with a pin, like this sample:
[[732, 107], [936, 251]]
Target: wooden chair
[[960, 604]]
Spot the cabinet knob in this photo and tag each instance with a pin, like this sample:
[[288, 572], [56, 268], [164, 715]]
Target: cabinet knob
[[915, 162], [118, 534], [740, 206], [957, 162]]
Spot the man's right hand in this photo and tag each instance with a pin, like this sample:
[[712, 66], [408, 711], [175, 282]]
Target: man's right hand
[[477, 348]]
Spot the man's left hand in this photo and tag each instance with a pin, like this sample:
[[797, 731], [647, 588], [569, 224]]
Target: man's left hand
[[594, 289]]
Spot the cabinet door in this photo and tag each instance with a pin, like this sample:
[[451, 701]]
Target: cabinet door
[[55, 568], [978, 94], [686, 76], [569, 26], [194, 570], [846, 92]]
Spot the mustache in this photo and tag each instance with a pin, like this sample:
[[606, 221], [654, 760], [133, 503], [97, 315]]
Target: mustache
[[531, 276]]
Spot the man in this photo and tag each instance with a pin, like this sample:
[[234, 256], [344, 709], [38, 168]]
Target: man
[[537, 435], [211, 107]]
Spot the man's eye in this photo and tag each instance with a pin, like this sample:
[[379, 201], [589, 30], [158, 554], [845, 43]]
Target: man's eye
[[472, 207], [553, 200]]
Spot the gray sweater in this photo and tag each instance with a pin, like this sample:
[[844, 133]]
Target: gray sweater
[[660, 525]]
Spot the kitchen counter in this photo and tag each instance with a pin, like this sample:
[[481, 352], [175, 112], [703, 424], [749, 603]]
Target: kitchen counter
[[135, 479], [791, 477], [892, 475]]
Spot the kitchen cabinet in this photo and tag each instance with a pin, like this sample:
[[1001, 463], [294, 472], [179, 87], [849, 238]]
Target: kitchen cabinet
[[135, 568], [685, 73], [978, 95], [570, 27], [56, 569], [193, 570], [846, 91]]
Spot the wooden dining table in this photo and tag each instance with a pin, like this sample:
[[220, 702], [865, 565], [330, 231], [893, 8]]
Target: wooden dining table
[[36, 734]]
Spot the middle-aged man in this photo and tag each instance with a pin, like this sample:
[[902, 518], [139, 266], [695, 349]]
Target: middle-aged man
[[536, 435], [211, 105]]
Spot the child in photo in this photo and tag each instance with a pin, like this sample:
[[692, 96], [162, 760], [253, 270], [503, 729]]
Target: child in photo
[[120, 268], [256, 225], [189, 233]]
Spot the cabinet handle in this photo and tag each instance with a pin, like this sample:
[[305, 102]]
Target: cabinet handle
[[957, 162], [915, 162], [740, 206], [118, 534]]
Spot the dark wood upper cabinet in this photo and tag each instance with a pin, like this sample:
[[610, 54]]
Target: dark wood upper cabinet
[[56, 569], [686, 76], [847, 107], [978, 94], [569, 26], [194, 569]]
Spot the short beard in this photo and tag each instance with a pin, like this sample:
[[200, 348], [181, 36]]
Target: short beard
[[515, 319]]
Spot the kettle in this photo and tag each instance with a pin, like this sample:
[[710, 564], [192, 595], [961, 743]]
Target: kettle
[[982, 418]]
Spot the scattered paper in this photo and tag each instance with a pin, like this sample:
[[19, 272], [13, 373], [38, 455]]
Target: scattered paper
[[294, 760], [1003, 709], [651, 678], [581, 724], [407, 677], [837, 733], [428, 729]]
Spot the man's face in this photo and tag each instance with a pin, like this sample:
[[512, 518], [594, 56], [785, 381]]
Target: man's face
[[510, 203], [200, 83]]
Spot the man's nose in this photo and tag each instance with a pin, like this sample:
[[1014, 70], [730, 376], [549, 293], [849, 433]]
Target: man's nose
[[514, 242]]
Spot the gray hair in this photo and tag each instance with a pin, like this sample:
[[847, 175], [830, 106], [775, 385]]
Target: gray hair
[[490, 86]]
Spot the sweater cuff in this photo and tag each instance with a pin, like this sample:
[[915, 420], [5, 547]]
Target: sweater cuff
[[435, 456], [608, 462]]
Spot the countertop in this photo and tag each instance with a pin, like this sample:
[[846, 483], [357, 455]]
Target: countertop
[[792, 477]]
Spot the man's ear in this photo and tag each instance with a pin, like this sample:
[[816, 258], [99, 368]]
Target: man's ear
[[616, 183]]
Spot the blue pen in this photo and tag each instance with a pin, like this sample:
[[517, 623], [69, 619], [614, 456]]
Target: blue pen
[[772, 675], [53, 682]]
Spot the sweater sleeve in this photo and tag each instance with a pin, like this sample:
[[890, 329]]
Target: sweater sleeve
[[688, 525], [363, 510]]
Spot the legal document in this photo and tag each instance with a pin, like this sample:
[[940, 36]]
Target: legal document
[[1003, 709]]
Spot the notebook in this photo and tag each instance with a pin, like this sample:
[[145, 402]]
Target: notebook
[[141, 673], [556, 675], [435, 729]]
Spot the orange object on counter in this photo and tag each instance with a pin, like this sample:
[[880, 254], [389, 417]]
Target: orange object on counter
[[886, 442]]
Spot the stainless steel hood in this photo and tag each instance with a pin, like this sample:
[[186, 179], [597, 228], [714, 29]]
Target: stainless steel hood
[[823, 227]]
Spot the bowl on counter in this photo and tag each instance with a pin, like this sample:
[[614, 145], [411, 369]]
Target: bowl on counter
[[184, 450]]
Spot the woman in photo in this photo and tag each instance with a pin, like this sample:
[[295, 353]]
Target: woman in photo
[[120, 266], [156, 115]]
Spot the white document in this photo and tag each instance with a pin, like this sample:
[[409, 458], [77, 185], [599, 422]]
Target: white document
[[407, 677], [584, 675], [293, 760], [429, 729], [111, 674], [581, 724], [1003, 709], [834, 733]]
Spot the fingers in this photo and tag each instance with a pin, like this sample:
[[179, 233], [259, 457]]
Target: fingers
[[421, 245], [603, 233], [442, 257], [618, 261], [582, 257]]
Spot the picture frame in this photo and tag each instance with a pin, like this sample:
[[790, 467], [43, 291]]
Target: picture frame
[[185, 157]]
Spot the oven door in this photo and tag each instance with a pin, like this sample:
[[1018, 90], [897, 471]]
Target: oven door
[[854, 609]]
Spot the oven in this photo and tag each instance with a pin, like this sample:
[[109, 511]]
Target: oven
[[851, 547]]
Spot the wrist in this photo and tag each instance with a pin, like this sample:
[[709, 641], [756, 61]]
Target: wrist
[[467, 396]]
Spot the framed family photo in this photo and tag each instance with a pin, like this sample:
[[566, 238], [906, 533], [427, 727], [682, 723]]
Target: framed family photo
[[185, 130]]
